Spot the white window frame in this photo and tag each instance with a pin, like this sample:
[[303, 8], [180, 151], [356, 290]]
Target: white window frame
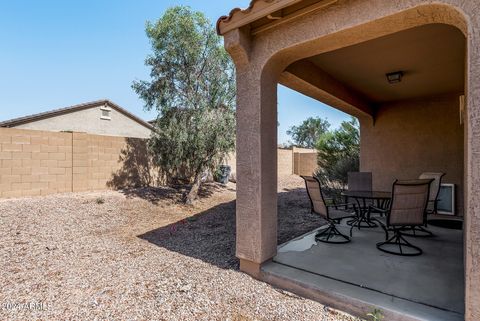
[[109, 110]]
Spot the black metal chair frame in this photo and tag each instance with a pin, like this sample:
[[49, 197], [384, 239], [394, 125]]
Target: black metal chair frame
[[399, 234], [326, 234], [421, 231]]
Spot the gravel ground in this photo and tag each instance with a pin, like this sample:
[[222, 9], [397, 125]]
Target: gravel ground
[[141, 255]]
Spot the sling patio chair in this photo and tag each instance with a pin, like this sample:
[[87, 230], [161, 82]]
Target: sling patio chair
[[333, 214], [406, 211], [421, 231]]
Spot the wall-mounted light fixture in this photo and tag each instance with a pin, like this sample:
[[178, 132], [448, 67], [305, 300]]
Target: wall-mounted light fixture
[[394, 77]]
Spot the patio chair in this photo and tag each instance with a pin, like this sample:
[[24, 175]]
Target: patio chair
[[360, 181], [421, 231], [406, 211], [333, 214], [434, 190]]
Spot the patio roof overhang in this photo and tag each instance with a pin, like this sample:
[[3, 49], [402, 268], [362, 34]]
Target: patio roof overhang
[[262, 15]]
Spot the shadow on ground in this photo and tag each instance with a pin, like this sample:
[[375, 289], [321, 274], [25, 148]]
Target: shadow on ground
[[175, 193], [210, 235]]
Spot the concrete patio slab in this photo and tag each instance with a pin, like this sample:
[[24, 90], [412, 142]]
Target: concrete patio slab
[[434, 279]]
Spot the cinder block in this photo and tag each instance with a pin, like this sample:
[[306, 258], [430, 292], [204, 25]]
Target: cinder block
[[39, 185], [5, 138], [65, 149], [21, 171], [39, 140], [32, 148], [65, 164], [11, 148], [49, 149], [5, 187], [80, 170], [10, 163], [39, 170], [21, 139], [30, 178], [80, 163], [56, 156], [21, 155], [21, 186], [56, 170], [12, 194], [56, 141], [40, 156], [30, 163], [5, 155], [48, 178], [10, 179], [31, 192], [5, 171], [49, 163]]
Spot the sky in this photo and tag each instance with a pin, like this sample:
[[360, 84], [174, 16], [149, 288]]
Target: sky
[[57, 53]]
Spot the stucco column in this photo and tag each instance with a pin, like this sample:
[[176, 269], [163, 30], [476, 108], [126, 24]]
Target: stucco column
[[256, 226], [472, 193]]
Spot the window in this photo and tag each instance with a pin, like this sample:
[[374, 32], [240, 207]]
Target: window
[[106, 111]]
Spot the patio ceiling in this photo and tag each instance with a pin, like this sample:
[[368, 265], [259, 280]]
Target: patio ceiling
[[432, 58]]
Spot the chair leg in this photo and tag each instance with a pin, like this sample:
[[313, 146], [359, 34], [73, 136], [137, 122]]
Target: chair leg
[[329, 234], [398, 240], [418, 231]]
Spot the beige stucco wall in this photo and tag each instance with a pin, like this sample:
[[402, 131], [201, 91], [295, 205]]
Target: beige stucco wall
[[412, 137], [89, 121], [260, 59]]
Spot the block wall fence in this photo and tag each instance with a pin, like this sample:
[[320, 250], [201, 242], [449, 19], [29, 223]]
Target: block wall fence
[[34, 163], [298, 161]]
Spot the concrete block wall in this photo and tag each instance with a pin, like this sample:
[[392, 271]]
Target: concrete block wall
[[298, 161], [305, 163], [36, 163]]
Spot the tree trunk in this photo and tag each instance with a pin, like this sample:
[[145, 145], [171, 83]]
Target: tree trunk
[[192, 195]]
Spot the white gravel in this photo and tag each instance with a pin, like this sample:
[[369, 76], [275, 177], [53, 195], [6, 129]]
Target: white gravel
[[139, 255]]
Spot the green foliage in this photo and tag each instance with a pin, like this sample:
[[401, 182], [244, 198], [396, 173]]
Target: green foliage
[[376, 315], [338, 154], [192, 87], [100, 200], [309, 132]]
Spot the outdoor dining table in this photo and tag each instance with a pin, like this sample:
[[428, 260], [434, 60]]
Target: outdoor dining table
[[364, 199]]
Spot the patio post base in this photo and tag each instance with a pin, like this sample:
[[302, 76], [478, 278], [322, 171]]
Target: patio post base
[[251, 268]]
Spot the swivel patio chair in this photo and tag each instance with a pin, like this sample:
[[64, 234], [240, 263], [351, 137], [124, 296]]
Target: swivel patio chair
[[333, 214], [406, 211], [436, 178], [434, 190]]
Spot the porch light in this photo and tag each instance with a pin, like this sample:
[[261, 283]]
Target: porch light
[[394, 77]]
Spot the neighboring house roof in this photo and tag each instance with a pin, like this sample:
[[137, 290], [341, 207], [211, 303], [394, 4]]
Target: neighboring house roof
[[262, 15], [66, 110]]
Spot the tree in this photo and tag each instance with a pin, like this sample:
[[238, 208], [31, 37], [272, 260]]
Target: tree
[[192, 88], [309, 132], [339, 153]]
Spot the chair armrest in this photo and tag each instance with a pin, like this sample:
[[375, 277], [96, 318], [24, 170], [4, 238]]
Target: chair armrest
[[345, 205], [382, 210]]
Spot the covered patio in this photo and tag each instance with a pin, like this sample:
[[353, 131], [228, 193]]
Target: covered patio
[[340, 52]]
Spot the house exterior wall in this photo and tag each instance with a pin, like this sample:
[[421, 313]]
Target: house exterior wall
[[260, 59], [35, 163], [415, 136], [89, 121]]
